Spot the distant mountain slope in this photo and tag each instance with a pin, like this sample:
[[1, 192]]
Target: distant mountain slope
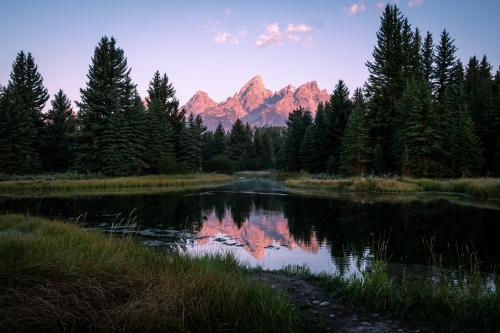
[[256, 104]]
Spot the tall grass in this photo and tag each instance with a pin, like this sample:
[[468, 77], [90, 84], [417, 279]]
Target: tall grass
[[56, 276], [369, 184], [482, 188], [158, 181], [459, 302]]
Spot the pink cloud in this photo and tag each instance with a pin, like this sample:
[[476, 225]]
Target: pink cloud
[[356, 8], [223, 37], [299, 33]]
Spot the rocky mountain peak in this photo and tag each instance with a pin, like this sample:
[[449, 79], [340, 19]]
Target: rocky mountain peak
[[253, 94], [200, 102], [256, 104]]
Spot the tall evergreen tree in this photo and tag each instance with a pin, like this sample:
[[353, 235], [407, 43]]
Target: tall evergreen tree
[[58, 136], [355, 152], [219, 140], [445, 61], [298, 122], [103, 143], [465, 158], [192, 143], [161, 139], [338, 110], [385, 85], [420, 135], [309, 155], [21, 119], [240, 141], [162, 94], [427, 58], [264, 155], [480, 92]]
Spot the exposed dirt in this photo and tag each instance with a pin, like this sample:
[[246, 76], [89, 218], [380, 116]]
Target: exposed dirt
[[327, 314]]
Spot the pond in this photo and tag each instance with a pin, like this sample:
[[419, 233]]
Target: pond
[[264, 225]]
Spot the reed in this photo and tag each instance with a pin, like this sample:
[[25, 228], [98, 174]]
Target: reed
[[56, 276]]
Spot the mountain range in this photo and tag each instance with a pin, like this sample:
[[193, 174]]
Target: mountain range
[[256, 105]]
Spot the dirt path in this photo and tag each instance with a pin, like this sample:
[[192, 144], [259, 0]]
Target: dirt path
[[328, 314]]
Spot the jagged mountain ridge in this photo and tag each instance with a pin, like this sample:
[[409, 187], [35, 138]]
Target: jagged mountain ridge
[[256, 104]]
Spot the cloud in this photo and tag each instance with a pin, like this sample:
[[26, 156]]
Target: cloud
[[223, 37], [298, 33], [220, 36], [227, 11], [380, 5], [356, 8], [415, 3]]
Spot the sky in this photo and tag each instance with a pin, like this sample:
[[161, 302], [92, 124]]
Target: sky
[[217, 46]]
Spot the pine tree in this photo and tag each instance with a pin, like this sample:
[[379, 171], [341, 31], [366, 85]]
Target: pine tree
[[337, 110], [355, 152], [323, 138], [385, 85], [21, 119], [162, 93], [497, 123], [298, 122], [427, 58], [445, 61], [240, 145], [420, 135], [219, 140], [308, 150], [161, 139], [104, 136], [58, 135], [480, 92], [263, 148]]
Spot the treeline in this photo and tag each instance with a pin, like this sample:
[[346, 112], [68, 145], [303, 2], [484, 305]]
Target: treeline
[[421, 113], [115, 132]]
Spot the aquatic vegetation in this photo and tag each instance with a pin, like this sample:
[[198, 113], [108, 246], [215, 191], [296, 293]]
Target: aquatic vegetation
[[153, 181], [483, 188]]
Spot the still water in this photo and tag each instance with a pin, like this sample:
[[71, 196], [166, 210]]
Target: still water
[[263, 225]]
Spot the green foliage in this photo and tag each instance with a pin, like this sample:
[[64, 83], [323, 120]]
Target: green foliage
[[21, 120], [419, 136], [355, 151], [298, 122], [219, 164], [160, 137], [103, 143], [384, 88], [482, 96], [58, 136]]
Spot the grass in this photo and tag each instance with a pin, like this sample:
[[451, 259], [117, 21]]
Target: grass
[[55, 276], [466, 305], [156, 181], [481, 188]]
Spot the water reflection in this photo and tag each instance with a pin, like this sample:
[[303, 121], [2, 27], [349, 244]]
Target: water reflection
[[334, 235]]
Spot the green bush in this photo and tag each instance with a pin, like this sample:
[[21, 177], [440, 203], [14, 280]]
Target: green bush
[[219, 164]]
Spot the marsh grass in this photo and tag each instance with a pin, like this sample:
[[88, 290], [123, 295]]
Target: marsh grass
[[55, 276], [482, 188], [153, 181], [458, 302]]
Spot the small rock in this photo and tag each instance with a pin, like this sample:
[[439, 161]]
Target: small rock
[[366, 323], [315, 302], [325, 303], [332, 315]]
